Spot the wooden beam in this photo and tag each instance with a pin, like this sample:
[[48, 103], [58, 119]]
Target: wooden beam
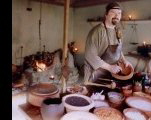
[[65, 40], [81, 3], [87, 3], [54, 2]]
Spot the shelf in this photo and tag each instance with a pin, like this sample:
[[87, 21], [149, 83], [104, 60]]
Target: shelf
[[136, 21], [124, 22], [127, 21]]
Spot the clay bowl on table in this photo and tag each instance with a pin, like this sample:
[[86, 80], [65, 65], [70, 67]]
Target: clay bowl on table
[[127, 90], [77, 89], [140, 103], [134, 114], [125, 74], [115, 97], [40, 92], [142, 94], [52, 109], [77, 102]]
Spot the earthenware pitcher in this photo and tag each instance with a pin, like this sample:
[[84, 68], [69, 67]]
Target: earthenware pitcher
[[52, 109]]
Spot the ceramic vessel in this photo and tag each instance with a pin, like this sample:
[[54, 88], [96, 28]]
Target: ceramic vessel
[[115, 99], [70, 108], [127, 90], [52, 109], [134, 114], [125, 74], [141, 103], [36, 97]]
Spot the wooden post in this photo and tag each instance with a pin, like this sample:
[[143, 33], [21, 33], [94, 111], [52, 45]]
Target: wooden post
[[65, 40]]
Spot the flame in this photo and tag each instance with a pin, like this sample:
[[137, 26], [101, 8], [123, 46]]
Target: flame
[[144, 43], [40, 66], [75, 49], [51, 77], [130, 17]]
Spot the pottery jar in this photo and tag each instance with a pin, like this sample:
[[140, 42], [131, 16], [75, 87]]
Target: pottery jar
[[137, 87], [52, 109], [127, 90]]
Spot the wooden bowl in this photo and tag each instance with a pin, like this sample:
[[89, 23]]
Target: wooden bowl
[[44, 89], [134, 114], [125, 74], [77, 89], [40, 92]]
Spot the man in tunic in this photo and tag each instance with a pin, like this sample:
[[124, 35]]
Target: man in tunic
[[104, 47]]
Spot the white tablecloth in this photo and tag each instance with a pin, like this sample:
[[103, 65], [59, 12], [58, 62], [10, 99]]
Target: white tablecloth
[[17, 100]]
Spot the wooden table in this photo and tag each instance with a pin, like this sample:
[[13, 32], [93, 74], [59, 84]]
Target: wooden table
[[33, 112], [30, 112]]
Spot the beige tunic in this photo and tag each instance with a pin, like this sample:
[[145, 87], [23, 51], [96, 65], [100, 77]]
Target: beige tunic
[[96, 45]]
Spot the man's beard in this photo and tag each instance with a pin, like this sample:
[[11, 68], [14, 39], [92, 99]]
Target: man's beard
[[115, 21]]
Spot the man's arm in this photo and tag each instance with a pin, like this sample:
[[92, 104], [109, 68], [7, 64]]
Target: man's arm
[[95, 46]]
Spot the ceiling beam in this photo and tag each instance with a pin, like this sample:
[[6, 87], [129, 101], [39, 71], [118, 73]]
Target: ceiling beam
[[87, 3], [54, 2], [80, 3]]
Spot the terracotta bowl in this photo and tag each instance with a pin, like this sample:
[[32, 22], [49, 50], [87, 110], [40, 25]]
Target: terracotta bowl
[[77, 89], [125, 74], [142, 94], [40, 92]]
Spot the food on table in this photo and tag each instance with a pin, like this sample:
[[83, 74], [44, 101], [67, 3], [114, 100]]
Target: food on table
[[135, 115], [77, 101], [140, 103], [79, 115], [141, 94], [44, 88], [108, 113]]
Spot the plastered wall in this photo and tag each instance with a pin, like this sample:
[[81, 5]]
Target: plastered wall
[[25, 28]]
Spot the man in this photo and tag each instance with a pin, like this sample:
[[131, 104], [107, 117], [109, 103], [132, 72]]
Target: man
[[104, 47]]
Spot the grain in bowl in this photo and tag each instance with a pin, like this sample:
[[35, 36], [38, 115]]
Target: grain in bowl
[[108, 113]]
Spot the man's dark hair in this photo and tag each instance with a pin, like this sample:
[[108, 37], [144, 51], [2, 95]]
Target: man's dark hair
[[112, 5]]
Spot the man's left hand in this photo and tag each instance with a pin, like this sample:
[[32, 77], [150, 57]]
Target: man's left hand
[[127, 63]]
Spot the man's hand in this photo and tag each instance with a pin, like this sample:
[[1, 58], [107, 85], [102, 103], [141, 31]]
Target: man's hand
[[114, 69], [127, 63]]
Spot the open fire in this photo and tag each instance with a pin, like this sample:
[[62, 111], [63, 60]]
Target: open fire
[[40, 66]]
